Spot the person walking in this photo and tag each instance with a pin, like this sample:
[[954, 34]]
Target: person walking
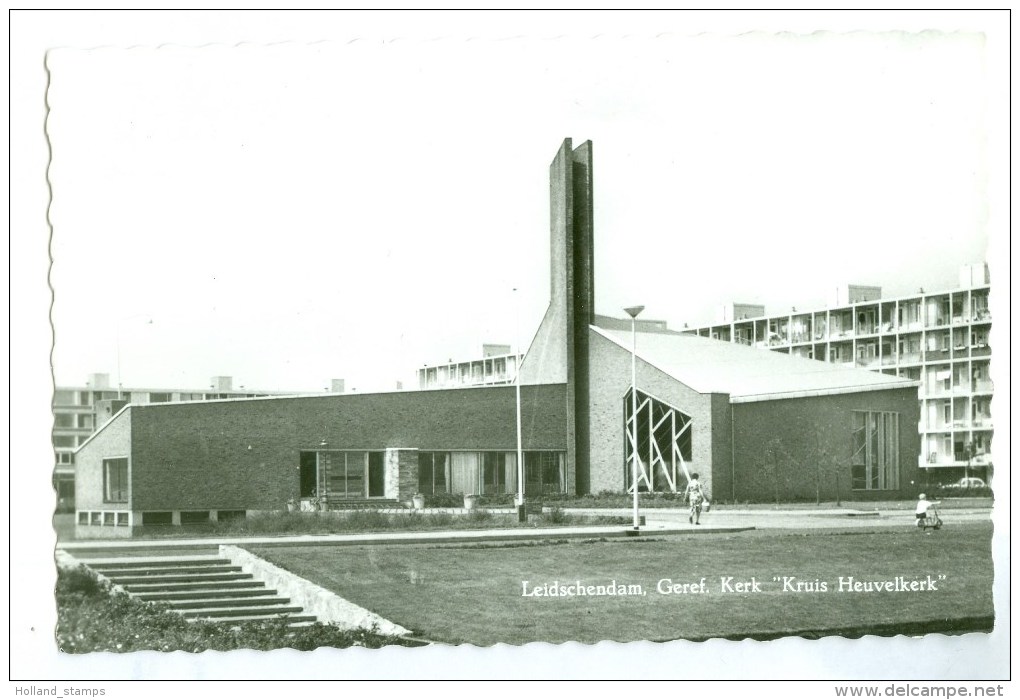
[[695, 494]]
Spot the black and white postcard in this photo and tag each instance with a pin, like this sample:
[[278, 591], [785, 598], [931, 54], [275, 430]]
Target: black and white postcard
[[511, 345]]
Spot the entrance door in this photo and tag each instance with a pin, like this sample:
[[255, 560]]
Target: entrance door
[[376, 474], [308, 474]]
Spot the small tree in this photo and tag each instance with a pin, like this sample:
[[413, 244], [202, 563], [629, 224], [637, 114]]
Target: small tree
[[769, 462]]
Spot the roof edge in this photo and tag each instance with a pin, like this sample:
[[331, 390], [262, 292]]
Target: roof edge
[[752, 398], [605, 334]]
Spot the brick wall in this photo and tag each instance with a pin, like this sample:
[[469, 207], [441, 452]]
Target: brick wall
[[401, 473], [722, 448], [610, 382], [800, 429], [244, 454]]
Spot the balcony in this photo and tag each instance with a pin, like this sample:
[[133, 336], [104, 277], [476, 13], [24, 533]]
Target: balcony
[[981, 386], [937, 459]]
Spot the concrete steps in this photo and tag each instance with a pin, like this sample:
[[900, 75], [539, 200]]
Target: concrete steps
[[199, 588], [203, 594]]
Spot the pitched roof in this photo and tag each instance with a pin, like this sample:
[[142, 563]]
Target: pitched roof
[[745, 373]]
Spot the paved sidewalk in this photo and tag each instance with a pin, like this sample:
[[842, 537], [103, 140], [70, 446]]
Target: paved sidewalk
[[659, 521], [431, 537], [820, 518]]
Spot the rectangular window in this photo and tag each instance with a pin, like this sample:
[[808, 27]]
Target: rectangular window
[[499, 473], [433, 472], [464, 473], [343, 474], [63, 441], [115, 480], [64, 398], [159, 397], [874, 451], [543, 473], [63, 420]]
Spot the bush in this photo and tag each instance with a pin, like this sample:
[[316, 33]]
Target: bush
[[367, 520], [79, 581], [950, 492], [444, 500], [497, 500], [479, 516]]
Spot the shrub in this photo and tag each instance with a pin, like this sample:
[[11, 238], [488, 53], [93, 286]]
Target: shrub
[[444, 500], [556, 516], [438, 520], [366, 520], [498, 499], [79, 581]]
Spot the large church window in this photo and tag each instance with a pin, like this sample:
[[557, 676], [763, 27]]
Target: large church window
[[663, 444]]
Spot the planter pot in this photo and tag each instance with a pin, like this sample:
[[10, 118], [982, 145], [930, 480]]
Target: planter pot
[[324, 506], [306, 505], [470, 502], [291, 507], [418, 502]]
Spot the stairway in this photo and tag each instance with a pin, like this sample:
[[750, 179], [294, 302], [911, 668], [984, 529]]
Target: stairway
[[199, 588]]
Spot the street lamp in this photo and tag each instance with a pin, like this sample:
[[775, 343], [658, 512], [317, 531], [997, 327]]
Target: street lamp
[[633, 312], [517, 382]]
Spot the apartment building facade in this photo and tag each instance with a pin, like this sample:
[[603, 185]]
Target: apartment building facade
[[496, 366], [940, 339]]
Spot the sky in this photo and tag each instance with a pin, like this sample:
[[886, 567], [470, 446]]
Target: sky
[[290, 213]]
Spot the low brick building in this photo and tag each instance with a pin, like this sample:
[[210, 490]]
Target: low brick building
[[755, 425]]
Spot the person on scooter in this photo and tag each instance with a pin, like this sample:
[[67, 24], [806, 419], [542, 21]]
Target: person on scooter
[[921, 511]]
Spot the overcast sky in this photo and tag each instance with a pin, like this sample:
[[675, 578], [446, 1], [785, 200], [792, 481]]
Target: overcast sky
[[290, 213]]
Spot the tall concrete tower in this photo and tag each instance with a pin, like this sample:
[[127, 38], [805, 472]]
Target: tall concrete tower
[[559, 352]]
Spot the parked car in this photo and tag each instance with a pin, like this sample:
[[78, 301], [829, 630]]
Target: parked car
[[968, 482]]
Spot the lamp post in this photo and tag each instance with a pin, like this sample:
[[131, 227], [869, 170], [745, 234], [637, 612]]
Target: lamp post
[[633, 312], [517, 382]]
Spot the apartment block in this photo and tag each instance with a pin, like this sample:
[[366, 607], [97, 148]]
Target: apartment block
[[496, 366], [940, 339]]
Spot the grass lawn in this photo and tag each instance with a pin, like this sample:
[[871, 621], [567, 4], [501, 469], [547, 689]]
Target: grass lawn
[[473, 594]]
